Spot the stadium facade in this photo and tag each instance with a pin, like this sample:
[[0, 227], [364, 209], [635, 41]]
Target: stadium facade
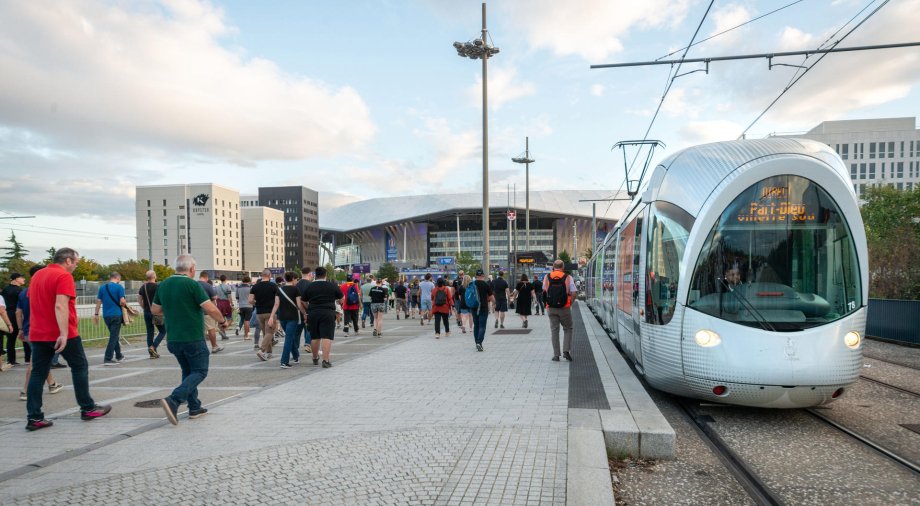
[[426, 231]]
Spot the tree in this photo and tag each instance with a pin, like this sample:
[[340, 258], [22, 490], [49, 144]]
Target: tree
[[20, 265], [388, 272], [130, 270], [892, 221], [15, 251], [466, 263], [87, 269], [163, 271], [51, 252], [565, 257], [588, 252]]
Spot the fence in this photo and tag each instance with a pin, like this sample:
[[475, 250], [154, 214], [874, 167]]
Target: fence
[[895, 320]]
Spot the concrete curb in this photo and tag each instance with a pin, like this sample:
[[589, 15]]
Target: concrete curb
[[633, 425], [588, 479]]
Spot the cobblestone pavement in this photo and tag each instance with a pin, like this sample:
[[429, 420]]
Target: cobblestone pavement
[[425, 421]]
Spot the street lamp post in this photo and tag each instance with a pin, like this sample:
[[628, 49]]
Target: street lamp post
[[476, 50], [526, 160]]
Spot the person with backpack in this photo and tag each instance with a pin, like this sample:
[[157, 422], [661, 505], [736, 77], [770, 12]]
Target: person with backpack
[[560, 292], [441, 303], [462, 309], [538, 296], [111, 297], [378, 294], [351, 302], [413, 299], [478, 297]]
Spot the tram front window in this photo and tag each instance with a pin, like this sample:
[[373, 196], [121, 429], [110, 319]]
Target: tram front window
[[781, 257]]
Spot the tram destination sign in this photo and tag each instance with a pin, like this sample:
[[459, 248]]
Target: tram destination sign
[[773, 205]]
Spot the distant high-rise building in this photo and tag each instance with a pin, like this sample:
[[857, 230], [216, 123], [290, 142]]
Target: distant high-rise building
[[201, 219], [263, 238], [301, 222], [883, 151]]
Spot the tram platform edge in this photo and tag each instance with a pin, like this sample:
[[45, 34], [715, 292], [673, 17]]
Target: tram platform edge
[[633, 425]]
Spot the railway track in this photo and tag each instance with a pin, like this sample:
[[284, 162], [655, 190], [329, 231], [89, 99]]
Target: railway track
[[866, 441], [889, 385], [909, 366]]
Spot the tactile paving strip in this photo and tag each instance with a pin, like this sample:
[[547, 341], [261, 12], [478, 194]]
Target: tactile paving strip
[[585, 387]]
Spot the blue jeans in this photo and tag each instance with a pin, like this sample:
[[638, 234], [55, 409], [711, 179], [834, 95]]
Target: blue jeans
[[254, 324], [193, 360], [291, 340], [114, 346], [42, 352], [302, 329], [148, 321], [480, 320], [367, 312]]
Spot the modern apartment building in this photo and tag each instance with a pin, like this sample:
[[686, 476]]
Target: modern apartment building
[[201, 219], [301, 222], [884, 151], [263, 238]]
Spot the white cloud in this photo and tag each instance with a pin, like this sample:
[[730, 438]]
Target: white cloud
[[793, 39], [591, 29], [700, 132], [597, 90], [727, 17], [156, 75], [504, 86]]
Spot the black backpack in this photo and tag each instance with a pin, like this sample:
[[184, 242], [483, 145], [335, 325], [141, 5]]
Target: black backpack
[[557, 295], [440, 297]]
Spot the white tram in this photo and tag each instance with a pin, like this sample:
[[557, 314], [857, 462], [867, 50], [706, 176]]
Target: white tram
[[739, 275]]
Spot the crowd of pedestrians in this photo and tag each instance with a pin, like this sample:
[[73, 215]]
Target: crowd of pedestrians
[[189, 314]]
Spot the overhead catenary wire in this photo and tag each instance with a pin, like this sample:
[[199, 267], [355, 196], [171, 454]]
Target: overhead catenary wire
[[670, 82], [723, 32], [805, 71]]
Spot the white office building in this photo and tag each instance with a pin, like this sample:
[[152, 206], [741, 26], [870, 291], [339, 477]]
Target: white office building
[[884, 151], [263, 238], [201, 219]]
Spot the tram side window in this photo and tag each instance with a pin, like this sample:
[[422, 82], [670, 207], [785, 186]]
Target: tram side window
[[667, 239], [625, 268]]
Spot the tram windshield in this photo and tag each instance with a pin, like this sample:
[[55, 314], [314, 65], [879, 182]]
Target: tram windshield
[[781, 257]]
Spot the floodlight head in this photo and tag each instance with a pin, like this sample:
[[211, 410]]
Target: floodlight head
[[523, 160]]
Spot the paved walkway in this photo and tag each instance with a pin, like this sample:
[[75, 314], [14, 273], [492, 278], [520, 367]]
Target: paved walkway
[[424, 421]]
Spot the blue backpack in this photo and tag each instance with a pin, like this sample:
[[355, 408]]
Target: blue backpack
[[353, 297], [471, 296]]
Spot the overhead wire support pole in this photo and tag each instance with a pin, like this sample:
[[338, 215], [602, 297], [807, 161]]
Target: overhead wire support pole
[[756, 55]]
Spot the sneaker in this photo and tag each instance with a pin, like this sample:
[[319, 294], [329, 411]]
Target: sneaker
[[437, 336], [296, 360], [97, 412], [268, 355], [525, 324], [120, 359], [307, 348], [110, 363], [255, 347], [59, 366], [374, 334], [5, 367], [38, 424], [326, 364], [478, 347], [262, 356], [285, 366], [23, 396], [496, 323], [218, 349], [55, 388], [171, 409], [447, 334], [397, 316], [501, 326], [556, 358], [197, 413], [362, 324], [315, 361], [236, 332], [421, 321], [567, 356], [153, 352]]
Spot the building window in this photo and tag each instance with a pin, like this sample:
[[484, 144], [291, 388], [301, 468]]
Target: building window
[[871, 171], [164, 212], [846, 151], [900, 172], [148, 203], [164, 202], [872, 150], [902, 149], [900, 186], [891, 149], [862, 171]]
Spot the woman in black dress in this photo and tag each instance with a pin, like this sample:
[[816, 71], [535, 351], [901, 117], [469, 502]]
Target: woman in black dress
[[523, 295]]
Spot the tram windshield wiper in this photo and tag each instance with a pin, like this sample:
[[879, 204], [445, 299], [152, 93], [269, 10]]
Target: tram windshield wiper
[[750, 307]]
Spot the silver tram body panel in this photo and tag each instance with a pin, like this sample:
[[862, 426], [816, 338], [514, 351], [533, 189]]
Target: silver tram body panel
[[757, 367]]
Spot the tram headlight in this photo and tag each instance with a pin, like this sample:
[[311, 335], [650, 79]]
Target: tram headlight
[[852, 340], [707, 338]]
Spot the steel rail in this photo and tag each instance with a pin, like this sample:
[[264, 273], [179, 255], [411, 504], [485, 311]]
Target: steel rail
[[866, 441]]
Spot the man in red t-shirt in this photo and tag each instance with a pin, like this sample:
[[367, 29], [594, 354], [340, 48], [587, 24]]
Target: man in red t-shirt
[[53, 329]]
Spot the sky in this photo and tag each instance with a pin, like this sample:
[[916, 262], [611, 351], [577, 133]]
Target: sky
[[368, 98]]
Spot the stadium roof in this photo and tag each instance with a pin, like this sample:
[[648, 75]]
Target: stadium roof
[[385, 210]]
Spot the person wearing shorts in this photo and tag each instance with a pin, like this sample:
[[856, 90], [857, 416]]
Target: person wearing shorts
[[378, 306], [424, 297], [413, 298], [402, 296], [242, 299], [319, 299]]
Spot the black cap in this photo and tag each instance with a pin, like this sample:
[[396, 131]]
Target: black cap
[[479, 272], [15, 275]]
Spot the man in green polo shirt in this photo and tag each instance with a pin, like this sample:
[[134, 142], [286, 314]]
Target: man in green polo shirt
[[181, 300]]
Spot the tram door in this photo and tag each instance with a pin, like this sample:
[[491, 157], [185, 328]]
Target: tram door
[[629, 301]]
